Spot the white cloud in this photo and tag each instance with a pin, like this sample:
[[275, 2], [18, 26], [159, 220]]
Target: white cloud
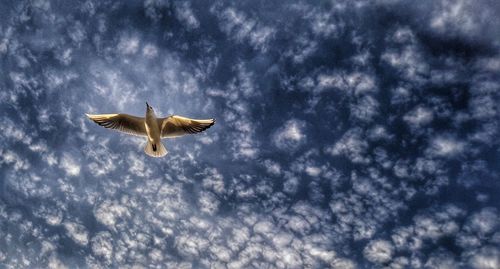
[[290, 135], [442, 261], [464, 19], [77, 33], [184, 213], [355, 82], [467, 241], [418, 117], [150, 51], [365, 108], [137, 166], [485, 258], [408, 61], [185, 14], [213, 180], [272, 167], [109, 83], [304, 48], [341, 263], [55, 263], [11, 158], [313, 171], [490, 64], [483, 107], [400, 95], [222, 253], [322, 24], [484, 222], [241, 28], [51, 215], [128, 45], [102, 246], [446, 146], [430, 227], [110, 212], [378, 251], [298, 224], [379, 132], [77, 232], [402, 35], [191, 246], [154, 9], [291, 184], [208, 202], [65, 56], [352, 146], [69, 165]]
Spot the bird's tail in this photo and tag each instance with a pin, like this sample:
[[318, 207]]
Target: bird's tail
[[155, 150]]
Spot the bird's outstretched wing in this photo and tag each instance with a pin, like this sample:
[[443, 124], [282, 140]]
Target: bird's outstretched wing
[[121, 122], [174, 126]]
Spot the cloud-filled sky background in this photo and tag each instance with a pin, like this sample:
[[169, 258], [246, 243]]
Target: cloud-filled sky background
[[349, 134]]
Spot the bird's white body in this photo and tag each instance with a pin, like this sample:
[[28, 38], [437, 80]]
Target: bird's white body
[[152, 127], [154, 147]]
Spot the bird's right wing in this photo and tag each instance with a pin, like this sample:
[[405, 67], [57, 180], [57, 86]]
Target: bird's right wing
[[121, 122], [175, 126]]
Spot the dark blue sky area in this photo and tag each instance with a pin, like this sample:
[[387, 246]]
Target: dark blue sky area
[[349, 134]]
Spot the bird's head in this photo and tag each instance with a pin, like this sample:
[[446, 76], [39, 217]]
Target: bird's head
[[149, 109]]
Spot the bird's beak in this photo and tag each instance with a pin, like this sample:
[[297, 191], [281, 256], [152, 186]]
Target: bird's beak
[[147, 105]]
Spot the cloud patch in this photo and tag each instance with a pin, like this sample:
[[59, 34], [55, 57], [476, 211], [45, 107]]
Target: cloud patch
[[290, 135]]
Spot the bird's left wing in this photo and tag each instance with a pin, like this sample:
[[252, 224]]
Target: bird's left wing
[[121, 122], [174, 126]]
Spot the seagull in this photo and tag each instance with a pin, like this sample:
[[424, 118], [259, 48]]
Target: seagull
[[152, 127]]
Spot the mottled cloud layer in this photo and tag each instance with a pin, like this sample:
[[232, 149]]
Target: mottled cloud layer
[[350, 134]]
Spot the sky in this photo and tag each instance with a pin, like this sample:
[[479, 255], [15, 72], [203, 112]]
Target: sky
[[349, 134]]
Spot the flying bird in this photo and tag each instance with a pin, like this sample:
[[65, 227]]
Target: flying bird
[[152, 127]]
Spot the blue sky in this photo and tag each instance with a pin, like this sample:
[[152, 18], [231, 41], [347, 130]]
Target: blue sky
[[349, 134]]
